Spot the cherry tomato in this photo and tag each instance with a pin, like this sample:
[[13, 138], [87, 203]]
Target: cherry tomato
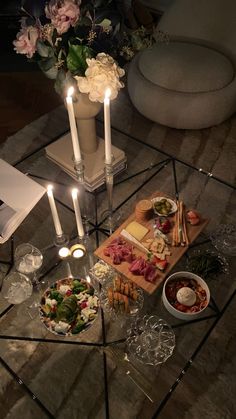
[[83, 304]]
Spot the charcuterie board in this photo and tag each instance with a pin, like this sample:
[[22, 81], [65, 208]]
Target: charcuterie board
[[177, 252]]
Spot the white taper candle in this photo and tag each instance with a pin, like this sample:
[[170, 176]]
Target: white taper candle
[[78, 218], [73, 127], [107, 127], [53, 207]]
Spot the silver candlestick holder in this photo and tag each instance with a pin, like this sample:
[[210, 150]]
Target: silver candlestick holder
[[79, 170], [61, 240], [109, 222]]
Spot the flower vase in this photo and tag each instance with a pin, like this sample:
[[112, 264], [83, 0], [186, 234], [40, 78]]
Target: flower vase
[[85, 113]]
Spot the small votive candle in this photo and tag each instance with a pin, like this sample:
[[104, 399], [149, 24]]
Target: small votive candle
[[64, 252], [77, 251]]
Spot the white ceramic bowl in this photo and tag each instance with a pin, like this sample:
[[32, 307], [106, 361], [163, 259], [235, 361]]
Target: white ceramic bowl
[[174, 311]]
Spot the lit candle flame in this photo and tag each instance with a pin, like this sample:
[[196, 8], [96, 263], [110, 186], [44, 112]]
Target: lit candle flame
[[88, 279], [64, 252], [50, 190], [70, 91], [74, 193], [78, 253], [108, 93]]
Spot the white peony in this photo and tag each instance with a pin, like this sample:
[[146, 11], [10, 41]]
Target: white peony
[[102, 73]]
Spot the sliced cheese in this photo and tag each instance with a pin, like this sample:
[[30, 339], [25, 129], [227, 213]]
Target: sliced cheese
[[155, 245], [129, 237], [136, 230]]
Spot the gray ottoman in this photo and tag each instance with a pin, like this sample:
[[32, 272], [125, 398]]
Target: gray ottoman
[[189, 83], [183, 84]]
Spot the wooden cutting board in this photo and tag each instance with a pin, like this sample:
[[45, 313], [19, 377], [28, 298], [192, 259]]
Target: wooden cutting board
[[176, 252]]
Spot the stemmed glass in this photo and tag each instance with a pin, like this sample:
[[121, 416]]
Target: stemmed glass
[[16, 288], [28, 260]]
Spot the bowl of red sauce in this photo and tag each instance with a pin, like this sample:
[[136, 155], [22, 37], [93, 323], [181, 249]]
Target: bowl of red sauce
[[185, 295]]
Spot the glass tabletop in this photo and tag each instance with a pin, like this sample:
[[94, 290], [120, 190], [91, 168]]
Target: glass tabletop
[[73, 375]]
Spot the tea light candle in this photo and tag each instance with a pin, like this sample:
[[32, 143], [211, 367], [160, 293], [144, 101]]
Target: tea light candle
[[55, 216], [107, 127], [77, 251], [73, 127], [78, 218], [64, 252]]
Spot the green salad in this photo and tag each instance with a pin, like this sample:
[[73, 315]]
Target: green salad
[[69, 306]]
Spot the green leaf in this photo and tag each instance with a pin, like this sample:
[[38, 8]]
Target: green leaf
[[80, 325], [56, 296], [106, 23], [63, 81], [51, 73], [85, 21], [44, 50], [76, 58], [47, 65]]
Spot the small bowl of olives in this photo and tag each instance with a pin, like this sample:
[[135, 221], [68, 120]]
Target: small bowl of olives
[[164, 206]]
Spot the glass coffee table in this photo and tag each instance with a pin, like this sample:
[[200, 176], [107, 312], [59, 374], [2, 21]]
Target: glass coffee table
[[47, 375]]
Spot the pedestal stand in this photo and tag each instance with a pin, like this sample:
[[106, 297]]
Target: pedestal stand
[[61, 152]]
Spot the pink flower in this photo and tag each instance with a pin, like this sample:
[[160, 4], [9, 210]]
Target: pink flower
[[63, 14], [26, 40]]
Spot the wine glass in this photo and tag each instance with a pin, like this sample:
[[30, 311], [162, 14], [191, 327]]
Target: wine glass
[[28, 260], [16, 288]]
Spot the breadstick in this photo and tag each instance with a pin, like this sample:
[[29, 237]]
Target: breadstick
[[181, 239], [178, 223], [185, 230], [174, 232]]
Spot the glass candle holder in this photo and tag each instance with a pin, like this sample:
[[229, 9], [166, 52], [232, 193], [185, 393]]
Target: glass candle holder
[[150, 340]]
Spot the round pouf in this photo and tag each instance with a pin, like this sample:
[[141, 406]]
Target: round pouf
[[183, 85]]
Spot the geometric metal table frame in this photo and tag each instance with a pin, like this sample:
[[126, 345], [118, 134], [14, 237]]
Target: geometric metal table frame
[[97, 228]]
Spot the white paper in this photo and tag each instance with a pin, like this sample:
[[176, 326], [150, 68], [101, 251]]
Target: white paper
[[20, 194]]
